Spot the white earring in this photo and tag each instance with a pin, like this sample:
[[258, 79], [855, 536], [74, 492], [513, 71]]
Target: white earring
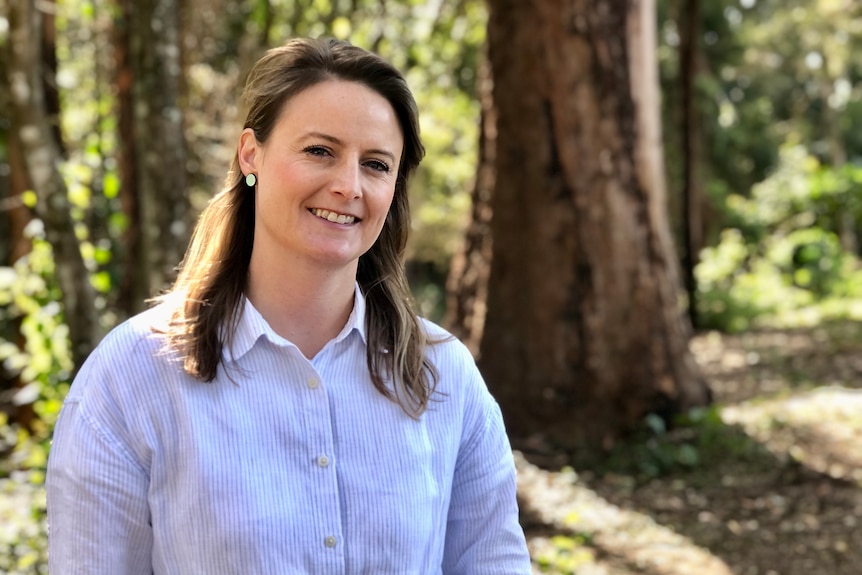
[[250, 180]]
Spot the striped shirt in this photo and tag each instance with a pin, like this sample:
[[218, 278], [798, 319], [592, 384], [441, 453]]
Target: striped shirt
[[281, 465]]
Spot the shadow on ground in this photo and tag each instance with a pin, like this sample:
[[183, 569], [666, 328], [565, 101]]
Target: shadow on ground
[[768, 482]]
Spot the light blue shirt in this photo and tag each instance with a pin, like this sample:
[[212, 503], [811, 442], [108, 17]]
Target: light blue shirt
[[281, 465]]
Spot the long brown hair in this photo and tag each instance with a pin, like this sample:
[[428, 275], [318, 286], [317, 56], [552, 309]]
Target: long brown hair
[[214, 273]]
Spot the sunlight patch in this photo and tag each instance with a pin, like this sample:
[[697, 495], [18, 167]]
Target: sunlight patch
[[559, 500], [820, 429]]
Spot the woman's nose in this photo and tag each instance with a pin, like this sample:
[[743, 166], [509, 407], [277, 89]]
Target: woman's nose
[[347, 179]]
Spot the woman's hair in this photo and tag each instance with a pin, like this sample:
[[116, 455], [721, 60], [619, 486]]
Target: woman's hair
[[214, 273]]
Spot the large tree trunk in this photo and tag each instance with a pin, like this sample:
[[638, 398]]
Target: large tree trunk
[[153, 161], [42, 155], [584, 334]]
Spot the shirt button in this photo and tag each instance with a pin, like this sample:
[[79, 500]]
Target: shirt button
[[313, 382], [323, 461], [330, 541]]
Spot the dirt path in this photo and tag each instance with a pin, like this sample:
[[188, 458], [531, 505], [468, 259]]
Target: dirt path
[[772, 485]]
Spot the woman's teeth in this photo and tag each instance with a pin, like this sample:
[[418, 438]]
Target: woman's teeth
[[333, 217]]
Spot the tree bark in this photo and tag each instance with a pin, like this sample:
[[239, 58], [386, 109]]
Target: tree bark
[[467, 285], [153, 165], [584, 334], [42, 155]]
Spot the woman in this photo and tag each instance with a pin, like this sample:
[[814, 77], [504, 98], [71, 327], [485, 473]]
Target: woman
[[282, 409]]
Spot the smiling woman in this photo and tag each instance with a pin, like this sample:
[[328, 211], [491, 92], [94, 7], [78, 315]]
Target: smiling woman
[[282, 409]]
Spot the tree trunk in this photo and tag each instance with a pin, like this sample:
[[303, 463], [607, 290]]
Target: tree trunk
[[692, 190], [153, 165], [14, 218], [16, 213], [42, 155], [584, 334], [467, 286], [132, 289]]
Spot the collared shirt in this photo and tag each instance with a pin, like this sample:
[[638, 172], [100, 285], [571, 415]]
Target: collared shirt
[[281, 465]]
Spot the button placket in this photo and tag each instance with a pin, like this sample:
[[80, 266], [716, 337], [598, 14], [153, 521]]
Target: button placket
[[320, 462]]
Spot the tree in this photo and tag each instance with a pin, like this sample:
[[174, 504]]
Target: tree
[[467, 285], [14, 217], [692, 189], [584, 334], [153, 151], [36, 136]]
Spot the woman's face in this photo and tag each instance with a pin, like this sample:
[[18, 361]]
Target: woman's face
[[326, 175]]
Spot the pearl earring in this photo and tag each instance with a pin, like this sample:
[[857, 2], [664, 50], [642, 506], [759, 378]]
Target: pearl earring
[[250, 180]]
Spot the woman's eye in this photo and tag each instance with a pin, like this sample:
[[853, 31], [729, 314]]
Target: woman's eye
[[316, 150], [378, 166]]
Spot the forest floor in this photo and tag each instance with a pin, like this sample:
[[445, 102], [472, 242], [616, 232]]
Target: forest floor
[[766, 482]]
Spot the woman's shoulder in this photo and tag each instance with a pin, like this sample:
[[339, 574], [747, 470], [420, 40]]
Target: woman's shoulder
[[141, 332], [452, 361], [442, 344], [460, 384], [129, 351]]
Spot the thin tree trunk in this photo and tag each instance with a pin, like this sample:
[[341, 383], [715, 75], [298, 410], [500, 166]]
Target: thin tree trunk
[[153, 166], [467, 286], [584, 334], [42, 158], [846, 221], [16, 216], [692, 191], [132, 289]]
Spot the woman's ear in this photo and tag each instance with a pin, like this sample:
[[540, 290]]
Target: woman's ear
[[247, 149]]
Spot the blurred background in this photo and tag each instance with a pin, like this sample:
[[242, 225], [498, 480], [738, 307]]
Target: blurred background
[[680, 391]]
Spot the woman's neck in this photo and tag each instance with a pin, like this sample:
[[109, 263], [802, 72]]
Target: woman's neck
[[306, 305]]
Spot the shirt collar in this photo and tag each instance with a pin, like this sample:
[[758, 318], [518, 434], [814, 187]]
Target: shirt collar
[[252, 326]]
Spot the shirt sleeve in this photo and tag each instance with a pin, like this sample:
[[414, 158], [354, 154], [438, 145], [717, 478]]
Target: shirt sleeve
[[483, 534], [98, 515]]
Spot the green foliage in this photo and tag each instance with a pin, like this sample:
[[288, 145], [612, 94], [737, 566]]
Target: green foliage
[[771, 71], [566, 555], [698, 439], [29, 295], [34, 343], [23, 541], [28, 299], [783, 261]]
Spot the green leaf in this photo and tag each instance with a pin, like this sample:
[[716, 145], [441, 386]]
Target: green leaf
[[29, 198], [101, 281], [111, 185]]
